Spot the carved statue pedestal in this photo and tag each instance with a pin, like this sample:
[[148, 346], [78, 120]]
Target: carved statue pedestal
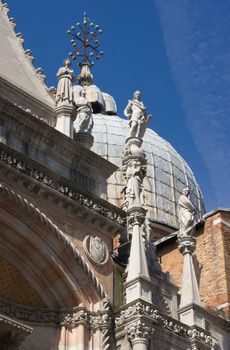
[[138, 284], [191, 315], [190, 298], [66, 113], [133, 147], [84, 139]]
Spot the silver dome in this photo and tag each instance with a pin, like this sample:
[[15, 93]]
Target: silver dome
[[167, 172]]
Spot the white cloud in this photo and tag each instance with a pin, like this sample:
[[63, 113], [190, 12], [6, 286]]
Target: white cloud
[[196, 35]]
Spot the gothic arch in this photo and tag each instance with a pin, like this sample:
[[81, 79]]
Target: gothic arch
[[44, 255]]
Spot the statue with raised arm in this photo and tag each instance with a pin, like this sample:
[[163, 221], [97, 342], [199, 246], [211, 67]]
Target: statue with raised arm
[[84, 113], [186, 212], [137, 115], [65, 77]]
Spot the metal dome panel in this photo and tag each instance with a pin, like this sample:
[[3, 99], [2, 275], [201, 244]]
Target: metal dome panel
[[167, 171]]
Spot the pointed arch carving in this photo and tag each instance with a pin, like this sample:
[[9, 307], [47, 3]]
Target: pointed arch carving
[[16, 198]]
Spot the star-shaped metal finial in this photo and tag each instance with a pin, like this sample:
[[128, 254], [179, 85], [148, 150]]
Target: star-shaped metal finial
[[84, 41]]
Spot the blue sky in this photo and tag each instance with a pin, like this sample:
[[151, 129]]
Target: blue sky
[[177, 52]]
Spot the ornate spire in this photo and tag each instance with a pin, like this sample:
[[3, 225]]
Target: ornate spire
[[134, 166], [189, 310], [138, 285], [86, 47]]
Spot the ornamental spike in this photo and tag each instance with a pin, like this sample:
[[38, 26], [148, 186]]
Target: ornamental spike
[[84, 41]]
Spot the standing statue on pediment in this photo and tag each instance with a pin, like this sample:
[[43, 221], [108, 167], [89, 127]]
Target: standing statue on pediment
[[65, 77], [137, 115], [84, 113], [186, 213], [134, 174]]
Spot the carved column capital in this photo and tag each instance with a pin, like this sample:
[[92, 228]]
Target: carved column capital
[[73, 320], [139, 331], [66, 109], [186, 244], [136, 216]]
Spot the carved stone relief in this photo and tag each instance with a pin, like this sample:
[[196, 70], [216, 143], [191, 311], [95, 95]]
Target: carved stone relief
[[140, 310], [96, 250]]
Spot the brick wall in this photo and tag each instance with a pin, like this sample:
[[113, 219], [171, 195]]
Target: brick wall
[[211, 261]]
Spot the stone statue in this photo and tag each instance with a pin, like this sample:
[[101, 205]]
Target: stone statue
[[186, 213], [84, 114], [135, 173], [65, 77], [137, 115]]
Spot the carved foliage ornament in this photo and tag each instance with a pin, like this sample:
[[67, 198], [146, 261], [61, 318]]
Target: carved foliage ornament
[[96, 250], [136, 216], [138, 330], [186, 244], [70, 319]]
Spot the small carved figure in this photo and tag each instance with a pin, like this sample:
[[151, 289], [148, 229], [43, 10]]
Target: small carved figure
[[84, 113], [65, 77], [135, 173], [186, 213], [137, 115]]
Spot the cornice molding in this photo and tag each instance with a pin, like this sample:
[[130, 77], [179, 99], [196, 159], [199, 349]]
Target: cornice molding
[[41, 134], [9, 92], [85, 201], [14, 325], [150, 315], [14, 332], [70, 318]]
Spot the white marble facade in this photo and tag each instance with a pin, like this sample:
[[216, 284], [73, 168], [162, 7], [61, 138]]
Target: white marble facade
[[66, 286]]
